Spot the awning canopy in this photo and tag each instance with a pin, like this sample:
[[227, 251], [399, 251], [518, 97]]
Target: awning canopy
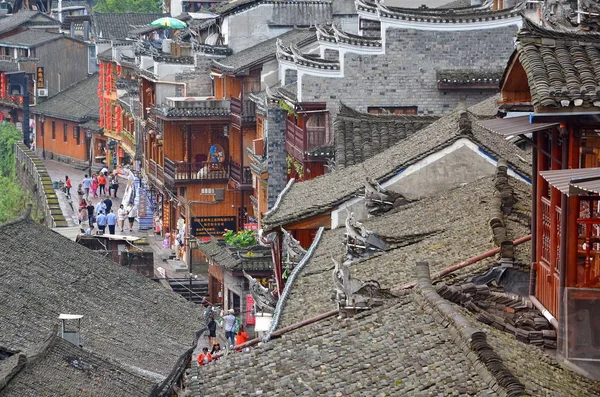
[[574, 182], [514, 125]]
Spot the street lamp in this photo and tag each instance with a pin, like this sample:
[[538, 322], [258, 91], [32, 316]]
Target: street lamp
[[43, 123], [88, 135]]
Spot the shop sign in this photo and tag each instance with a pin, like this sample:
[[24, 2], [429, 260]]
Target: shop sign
[[205, 226]]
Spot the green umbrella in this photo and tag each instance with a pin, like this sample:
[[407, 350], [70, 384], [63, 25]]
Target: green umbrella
[[168, 22]]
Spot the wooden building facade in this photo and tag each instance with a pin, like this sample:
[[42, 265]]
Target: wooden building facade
[[565, 275]]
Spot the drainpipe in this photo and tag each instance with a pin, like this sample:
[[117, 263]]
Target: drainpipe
[[535, 187], [538, 305], [563, 247], [466, 263]]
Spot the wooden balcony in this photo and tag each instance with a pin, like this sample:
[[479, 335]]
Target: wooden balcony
[[300, 141], [182, 172], [155, 172], [243, 112], [242, 176]]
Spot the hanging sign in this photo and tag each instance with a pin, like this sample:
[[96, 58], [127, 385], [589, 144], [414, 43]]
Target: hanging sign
[[41, 82], [204, 226]]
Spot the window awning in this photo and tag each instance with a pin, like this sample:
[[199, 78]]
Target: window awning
[[514, 125], [574, 182]]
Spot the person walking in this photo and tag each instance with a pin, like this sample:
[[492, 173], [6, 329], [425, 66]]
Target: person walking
[[101, 221], [111, 221], [108, 202], [80, 192], [121, 216], [102, 185], [205, 357], [68, 186], [212, 331], [90, 212], [87, 184], [83, 214], [100, 207], [131, 215], [94, 186], [229, 326], [241, 337], [114, 185]]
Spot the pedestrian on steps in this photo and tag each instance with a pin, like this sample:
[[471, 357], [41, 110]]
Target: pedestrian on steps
[[87, 183], [229, 326], [131, 215], [241, 337], [90, 212], [68, 186], [101, 221], [205, 357]]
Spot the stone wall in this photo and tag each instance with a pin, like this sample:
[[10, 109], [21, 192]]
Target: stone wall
[[198, 81], [34, 178], [406, 74], [276, 154]]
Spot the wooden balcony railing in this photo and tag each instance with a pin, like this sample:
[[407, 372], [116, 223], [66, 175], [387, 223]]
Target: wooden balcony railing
[[239, 174], [246, 110], [155, 171], [179, 171], [300, 141]]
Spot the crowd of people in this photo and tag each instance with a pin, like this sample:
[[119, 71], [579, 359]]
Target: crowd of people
[[234, 335], [101, 216]]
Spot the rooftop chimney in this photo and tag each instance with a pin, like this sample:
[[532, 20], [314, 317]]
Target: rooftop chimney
[[71, 334]]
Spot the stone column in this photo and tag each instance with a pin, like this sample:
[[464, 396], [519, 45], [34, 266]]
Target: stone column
[[276, 153]]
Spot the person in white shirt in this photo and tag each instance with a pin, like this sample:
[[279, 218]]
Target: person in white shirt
[[121, 216], [229, 326]]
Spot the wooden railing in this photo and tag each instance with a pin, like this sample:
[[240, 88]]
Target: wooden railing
[[239, 174], [155, 170], [246, 110], [179, 171], [300, 141]]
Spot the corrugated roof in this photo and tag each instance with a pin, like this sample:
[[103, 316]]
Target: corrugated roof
[[574, 182], [514, 125]]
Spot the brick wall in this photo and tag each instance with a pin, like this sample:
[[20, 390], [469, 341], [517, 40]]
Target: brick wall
[[198, 82], [276, 153], [406, 74]]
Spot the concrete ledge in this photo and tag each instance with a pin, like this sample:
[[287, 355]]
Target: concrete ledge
[[473, 341]]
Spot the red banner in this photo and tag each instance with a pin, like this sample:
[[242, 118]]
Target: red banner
[[250, 319], [251, 226]]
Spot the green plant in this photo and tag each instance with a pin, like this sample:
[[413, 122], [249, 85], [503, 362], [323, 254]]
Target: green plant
[[294, 165], [242, 239], [290, 110]]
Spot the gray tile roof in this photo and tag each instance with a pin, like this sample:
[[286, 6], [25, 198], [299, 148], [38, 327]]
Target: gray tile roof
[[128, 318], [405, 347], [6, 66], [30, 38], [108, 25], [229, 258], [64, 369], [77, 103], [359, 136], [264, 51], [228, 7], [25, 17], [318, 195], [560, 66]]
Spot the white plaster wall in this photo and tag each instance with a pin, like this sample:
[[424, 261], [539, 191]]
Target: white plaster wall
[[460, 163]]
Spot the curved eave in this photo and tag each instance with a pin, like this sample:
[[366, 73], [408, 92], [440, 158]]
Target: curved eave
[[449, 25]]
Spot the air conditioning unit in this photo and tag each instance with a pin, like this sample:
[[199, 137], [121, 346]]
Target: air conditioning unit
[[42, 92]]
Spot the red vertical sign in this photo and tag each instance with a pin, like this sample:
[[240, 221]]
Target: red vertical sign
[[250, 319]]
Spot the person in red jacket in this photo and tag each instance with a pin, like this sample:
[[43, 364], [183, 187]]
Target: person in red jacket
[[205, 357], [68, 186], [241, 337]]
